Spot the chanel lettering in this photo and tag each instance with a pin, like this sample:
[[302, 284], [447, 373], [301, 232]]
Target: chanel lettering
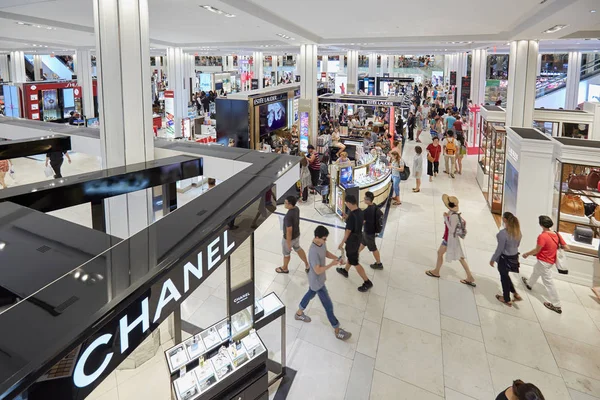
[[210, 256]]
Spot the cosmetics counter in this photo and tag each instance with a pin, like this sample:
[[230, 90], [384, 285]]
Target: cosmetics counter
[[372, 174], [227, 359]]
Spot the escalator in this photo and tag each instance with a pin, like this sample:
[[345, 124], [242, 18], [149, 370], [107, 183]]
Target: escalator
[[29, 70], [544, 88], [53, 68]]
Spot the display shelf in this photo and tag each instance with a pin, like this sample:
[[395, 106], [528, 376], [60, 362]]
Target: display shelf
[[568, 210], [496, 168], [220, 367], [197, 346]]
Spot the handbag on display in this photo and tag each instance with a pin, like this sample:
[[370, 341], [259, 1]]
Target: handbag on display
[[597, 213], [572, 204], [578, 182], [567, 227], [593, 179], [590, 209], [583, 234]]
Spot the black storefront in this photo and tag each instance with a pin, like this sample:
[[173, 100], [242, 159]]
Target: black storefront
[[84, 300]]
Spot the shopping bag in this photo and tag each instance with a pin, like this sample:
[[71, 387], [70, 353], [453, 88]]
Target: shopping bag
[[48, 171], [561, 262]]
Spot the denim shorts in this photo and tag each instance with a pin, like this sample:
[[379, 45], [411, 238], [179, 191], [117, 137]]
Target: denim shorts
[[444, 242]]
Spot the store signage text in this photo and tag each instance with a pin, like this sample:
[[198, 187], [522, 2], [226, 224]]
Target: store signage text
[[513, 154], [379, 103], [270, 99], [192, 272]]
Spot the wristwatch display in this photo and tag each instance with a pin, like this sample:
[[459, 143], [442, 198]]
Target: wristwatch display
[[223, 329], [222, 364], [195, 347], [237, 354], [210, 337], [206, 375]]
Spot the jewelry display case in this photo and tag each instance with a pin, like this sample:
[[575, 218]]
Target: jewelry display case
[[497, 157]]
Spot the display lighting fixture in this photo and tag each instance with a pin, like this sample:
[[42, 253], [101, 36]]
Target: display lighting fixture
[[555, 28], [39, 45], [217, 11], [592, 11], [2, 246], [50, 28]]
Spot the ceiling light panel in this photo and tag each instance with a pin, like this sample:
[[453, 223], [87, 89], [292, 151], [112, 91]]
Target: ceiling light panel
[[555, 28], [49, 28], [217, 11]]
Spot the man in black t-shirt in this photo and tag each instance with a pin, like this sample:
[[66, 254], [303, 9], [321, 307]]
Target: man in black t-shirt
[[291, 236], [372, 215], [352, 240]]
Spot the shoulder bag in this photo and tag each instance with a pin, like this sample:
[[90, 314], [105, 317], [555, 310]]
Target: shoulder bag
[[510, 262], [561, 257]]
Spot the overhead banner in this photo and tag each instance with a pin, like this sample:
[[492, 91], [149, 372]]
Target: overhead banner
[[452, 78]]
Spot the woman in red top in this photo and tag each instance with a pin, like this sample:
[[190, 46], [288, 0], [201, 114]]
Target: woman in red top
[[547, 246], [434, 150]]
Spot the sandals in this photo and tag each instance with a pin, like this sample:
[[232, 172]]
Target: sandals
[[431, 274], [415, 190], [280, 270], [470, 283], [552, 307], [501, 300], [517, 297]]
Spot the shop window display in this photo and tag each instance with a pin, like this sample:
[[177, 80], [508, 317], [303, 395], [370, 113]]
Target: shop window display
[[576, 131], [497, 151], [577, 206]]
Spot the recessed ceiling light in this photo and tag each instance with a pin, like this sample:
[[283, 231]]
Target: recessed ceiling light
[[555, 28], [592, 11], [217, 11]]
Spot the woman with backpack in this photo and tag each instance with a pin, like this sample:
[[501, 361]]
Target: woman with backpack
[[455, 229], [507, 256]]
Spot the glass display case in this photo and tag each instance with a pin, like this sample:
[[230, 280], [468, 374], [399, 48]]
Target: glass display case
[[486, 147], [547, 127], [576, 206], [497, 160], [575, 130]]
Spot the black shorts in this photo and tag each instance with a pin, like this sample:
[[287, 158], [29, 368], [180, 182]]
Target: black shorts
[[352, 247], [368, 241]]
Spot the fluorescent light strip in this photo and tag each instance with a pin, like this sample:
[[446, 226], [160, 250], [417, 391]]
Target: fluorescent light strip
[[555, 28], [50, 28], [217, 11]]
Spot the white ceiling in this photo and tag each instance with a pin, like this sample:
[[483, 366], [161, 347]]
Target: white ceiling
[[381, 26]]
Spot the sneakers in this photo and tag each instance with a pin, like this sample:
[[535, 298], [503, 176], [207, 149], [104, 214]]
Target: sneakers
[[343, 335], [342, 271], [365, 286], [303, 317], [552, 307], [526, 284], [377, 266], [452, 176]]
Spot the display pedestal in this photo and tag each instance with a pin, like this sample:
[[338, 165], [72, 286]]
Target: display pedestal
[[529, 180]]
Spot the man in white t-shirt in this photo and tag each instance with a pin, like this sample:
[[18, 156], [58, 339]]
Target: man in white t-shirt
[[450, 147]]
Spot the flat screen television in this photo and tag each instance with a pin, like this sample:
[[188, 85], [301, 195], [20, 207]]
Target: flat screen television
[[68, 102], [273, 116]]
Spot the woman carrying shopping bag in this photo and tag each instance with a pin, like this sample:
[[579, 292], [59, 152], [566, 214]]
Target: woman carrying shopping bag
[[507, 256]]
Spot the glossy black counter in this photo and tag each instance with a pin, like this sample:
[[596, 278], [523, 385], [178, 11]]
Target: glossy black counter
[[95, 186], [36, 339], [29, 147]]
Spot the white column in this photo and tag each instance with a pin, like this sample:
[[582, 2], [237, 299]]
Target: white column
[[176, 78], [192, 74], [83, 70], [4, 68], [257, 67], [125, 102], [447, 61], [384, 65], [324, 63], [478, 74], [521, 83], [17, 67], [308, 87], [460, 72], [373, 64], [573, 77], [538, 69], [352, 71], [158, 66], [37, 67]]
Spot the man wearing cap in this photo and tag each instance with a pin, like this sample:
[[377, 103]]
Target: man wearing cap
[[451, 242]]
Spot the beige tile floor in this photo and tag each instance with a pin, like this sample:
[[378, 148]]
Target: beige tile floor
[[414, 337]]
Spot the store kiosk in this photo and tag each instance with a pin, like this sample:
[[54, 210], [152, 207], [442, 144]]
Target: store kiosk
[[490, 117], [564, 123], [111, 295], [347, 179], [248, 118]]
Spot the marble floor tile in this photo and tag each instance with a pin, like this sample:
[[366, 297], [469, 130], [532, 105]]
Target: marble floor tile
[[504, 372], [320, 333], [321, 374], [575, 356], [454, 395], [575, 395], [361, 377], [408, 276], [573, 315], [152, 383], [466, 368], [462, 328], [369, 339], [580, 383], [488, 288], [457, 301], [375, 307], [413, 310], [106, 387], [210, 312], [386, 387], [516, 339], [411, 355]]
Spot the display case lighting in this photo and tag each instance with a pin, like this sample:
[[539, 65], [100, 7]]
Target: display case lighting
[[555, 28]]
